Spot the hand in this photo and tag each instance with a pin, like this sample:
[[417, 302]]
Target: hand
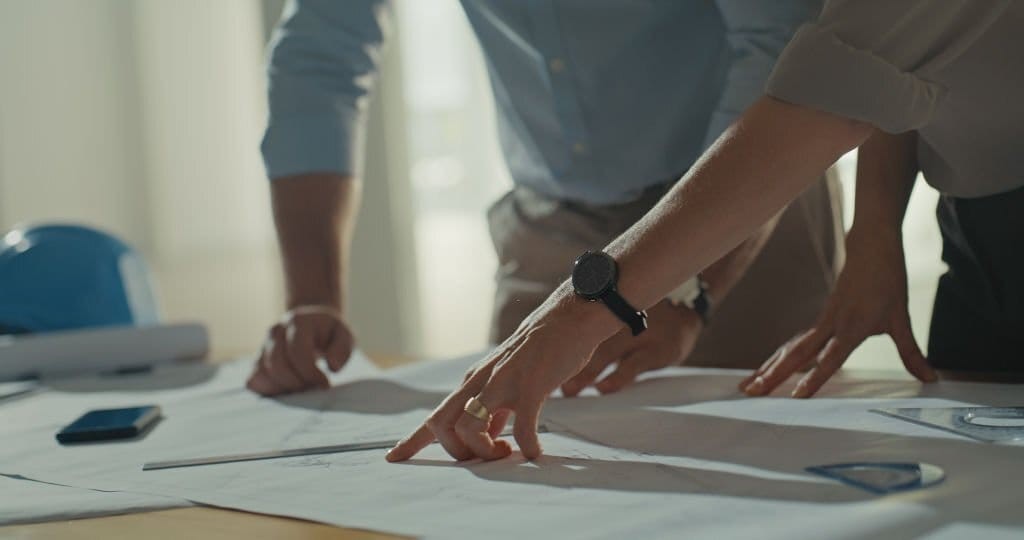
[[870, 298], [287, 362], [548, 348], [669, 340]]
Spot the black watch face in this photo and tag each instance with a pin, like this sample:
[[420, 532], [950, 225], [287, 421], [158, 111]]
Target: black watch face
[[593, 275]]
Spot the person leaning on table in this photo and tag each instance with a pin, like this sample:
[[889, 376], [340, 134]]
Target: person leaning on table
[[602, 105], [945, 72]]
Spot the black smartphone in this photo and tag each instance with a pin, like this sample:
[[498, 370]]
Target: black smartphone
[[109, 424]]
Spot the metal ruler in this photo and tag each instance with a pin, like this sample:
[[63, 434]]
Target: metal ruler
[[277, 454]]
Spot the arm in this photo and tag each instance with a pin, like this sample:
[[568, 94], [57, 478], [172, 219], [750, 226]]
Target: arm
[[322, 65], [886, 170], [315, 216], [863, 65], [673, 330], [724, 273], [761, 163], [870, 297], [756, 32]]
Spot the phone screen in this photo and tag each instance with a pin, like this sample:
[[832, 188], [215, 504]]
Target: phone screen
[[109, 418]]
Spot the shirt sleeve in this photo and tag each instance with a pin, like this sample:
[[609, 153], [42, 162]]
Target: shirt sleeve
[[871, 60], [756, 32], [322, 64]]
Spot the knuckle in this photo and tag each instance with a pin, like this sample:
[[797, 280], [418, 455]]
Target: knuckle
[[434, 422]]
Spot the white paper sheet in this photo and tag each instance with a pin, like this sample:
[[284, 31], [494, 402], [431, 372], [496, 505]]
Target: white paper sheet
[[12, 390], [682, 454], [28, 501], [59, 401]]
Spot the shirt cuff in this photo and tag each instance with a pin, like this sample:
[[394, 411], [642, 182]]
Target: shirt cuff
[[820, 71], [326, 142]]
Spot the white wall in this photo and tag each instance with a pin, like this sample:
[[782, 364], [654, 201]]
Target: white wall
[[144, 118], [68, 122], [200, 82]]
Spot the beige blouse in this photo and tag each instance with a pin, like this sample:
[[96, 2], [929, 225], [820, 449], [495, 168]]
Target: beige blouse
[[951, 69]]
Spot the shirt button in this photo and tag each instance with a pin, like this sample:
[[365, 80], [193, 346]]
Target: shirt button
[[557, 65], [579, 149]]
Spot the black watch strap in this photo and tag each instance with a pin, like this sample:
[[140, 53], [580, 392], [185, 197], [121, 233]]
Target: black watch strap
[[702, 305], [637, 320]]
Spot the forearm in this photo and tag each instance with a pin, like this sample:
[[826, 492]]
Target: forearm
[[724, 273], [752, 172], [886, 170], [315, 214], [758, 166]]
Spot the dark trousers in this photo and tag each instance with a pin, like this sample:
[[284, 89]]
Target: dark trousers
[[978, 320]]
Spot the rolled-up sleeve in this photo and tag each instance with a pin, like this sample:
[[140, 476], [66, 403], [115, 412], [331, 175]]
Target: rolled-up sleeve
[[322, 64], [757, 32], [872, 60]]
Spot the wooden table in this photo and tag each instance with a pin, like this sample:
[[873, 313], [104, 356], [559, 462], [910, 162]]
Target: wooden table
[[198, 522]]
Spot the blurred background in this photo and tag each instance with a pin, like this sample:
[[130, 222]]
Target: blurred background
[[143, 117]]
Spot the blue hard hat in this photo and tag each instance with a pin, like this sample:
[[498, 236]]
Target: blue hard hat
[[63, 277]]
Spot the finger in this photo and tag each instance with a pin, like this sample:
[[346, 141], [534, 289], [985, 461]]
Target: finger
[[260, 382], [277, 366], [605, 355], [442, 421], [776, 356], [339, 348], [910, 353], [792, 359], [411, 445], [302, 357], [445, 433], [764, 366], [474, 433], [525, 428], [498, 423], [624, 375], [836, 351]]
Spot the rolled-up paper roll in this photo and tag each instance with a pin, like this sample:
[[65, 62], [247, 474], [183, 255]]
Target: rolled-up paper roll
[[99, 350]]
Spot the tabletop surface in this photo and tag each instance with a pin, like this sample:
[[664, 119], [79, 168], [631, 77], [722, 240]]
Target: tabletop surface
[[202, 522], [199, 522]]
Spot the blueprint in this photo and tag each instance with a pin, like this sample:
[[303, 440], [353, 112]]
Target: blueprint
[[682, 453], [38, 410]]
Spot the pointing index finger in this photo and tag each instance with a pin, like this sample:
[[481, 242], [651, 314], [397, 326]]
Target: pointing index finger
[[411, 445]]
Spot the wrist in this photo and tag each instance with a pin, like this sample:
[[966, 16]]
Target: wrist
[[877, 231], [314, 309], [874, 240], [325, 300], [590, 322]]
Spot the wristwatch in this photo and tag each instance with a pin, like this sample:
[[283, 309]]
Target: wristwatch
[[594, 277], [693, 294]]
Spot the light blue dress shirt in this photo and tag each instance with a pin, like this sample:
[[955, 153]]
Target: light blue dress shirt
[[597, 99]]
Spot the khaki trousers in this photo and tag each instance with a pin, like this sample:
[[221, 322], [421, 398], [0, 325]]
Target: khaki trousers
[[537, 238]]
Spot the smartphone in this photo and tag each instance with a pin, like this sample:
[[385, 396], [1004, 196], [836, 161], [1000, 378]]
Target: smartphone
[[109, 424]]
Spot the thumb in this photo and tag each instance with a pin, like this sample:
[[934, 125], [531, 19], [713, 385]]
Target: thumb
[[339, 348], [910, 353]]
